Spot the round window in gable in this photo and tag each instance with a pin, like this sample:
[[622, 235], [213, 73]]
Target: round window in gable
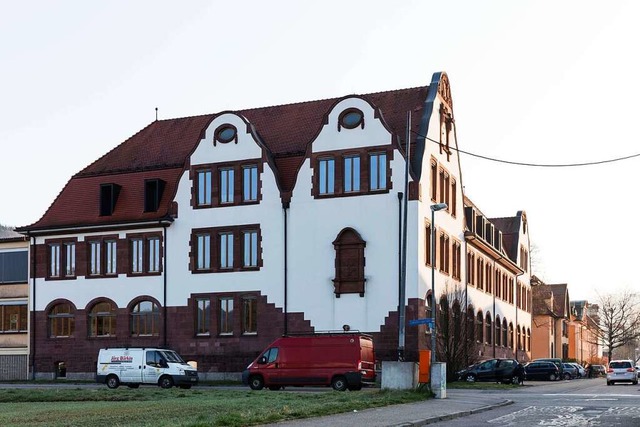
[[351, 118], [226, 133]]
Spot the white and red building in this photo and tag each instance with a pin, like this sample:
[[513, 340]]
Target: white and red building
[[215, 234]]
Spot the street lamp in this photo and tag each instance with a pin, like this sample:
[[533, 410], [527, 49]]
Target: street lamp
[[434, 208]]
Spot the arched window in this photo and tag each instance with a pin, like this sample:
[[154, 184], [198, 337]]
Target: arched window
[[349, 263], [471, 336], [457, 321], [479, 331], [102, 319], [504, 333], [62, 320], [429, 307], [519, 338], [488, 327], [145, 319], [498, 332], [511, 335]]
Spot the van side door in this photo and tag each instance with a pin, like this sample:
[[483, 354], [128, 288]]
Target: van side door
[[153, 367]]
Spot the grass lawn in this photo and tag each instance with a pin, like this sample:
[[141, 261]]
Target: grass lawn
[[151, 406]]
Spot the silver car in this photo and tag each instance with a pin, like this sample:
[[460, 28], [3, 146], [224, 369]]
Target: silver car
[[621, 371]]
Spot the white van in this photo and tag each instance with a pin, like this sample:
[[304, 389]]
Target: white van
[[135, 366]]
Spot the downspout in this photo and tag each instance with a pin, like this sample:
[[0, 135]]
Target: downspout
[[285, 206], [32, 327], [164, 302], [400, 195], [466, 302]]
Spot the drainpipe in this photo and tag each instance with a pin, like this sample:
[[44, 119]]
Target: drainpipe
[[400, 195], [164, 303], [285, 206], [32, 327]]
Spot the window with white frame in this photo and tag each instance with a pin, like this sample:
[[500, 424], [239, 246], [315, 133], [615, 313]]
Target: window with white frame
[[225, 321], [226, 250], [326, 179], [250, 183], [351, 174], [250, 248], [226, 186], [378, 171]]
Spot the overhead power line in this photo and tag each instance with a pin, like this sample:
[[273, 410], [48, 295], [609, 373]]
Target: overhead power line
[[540, 165]]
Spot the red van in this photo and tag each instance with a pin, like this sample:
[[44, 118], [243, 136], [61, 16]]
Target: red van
[[340, 360]]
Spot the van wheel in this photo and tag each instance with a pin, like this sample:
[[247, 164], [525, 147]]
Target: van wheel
[[470, 378], [113, 381], [552, 377], [256, 382], [133, 385], [339, 383], [165, 382]]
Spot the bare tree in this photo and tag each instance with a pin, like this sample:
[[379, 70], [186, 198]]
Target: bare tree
[[619, 315], [456, 344]]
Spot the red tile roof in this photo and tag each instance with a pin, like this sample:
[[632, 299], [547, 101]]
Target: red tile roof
[[162, 149]]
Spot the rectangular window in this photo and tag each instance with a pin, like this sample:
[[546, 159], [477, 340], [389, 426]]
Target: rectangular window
[[70, 259], [378, 171], [154, 254], [54, 260], [250, 248], [226, 186], [434, 180], [250, 183], [326, 179], [351, 174], [14, 266], [428, 254], [94, 258], [13, 318], [226, 250], [453, 204], [204, 187], [137, 256], [111, 257], [203, 252], [203, 316], [226, 316], [249, 315]]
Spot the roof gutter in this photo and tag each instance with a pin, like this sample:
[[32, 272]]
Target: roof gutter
[[164, 222]]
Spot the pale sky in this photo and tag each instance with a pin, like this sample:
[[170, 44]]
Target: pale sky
[[532, 81]]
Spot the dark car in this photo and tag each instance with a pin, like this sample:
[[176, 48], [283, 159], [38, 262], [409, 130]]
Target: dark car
[[556, 361], [598, 371], [498, 370], [541, 370], [570, 371]]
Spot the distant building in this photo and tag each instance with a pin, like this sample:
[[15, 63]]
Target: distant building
[[583, 335], [215, 234], [550, 323], [14, 300]]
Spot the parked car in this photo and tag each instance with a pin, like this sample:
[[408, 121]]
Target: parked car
[[570, 371], [340, 360], [541, 370], [556, 361], [499, 370], [621, 371], [598, 371], [581, 371]]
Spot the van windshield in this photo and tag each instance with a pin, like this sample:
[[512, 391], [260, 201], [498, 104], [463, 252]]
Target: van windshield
[[172, 356]]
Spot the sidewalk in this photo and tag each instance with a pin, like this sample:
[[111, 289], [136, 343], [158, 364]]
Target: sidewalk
[[411, 414]]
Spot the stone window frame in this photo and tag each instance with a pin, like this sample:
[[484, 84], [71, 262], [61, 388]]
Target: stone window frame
[[238, 183], [237, 231], [348, 241], [62, 258]]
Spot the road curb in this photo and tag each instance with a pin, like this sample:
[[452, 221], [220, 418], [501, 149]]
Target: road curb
[[454, 415]]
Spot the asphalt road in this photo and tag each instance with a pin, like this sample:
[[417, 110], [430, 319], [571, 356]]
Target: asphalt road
[[588, 402]]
